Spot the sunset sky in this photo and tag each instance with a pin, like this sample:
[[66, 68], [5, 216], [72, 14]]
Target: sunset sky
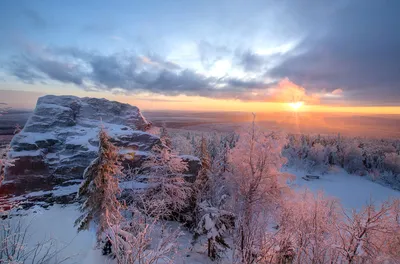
[[332, 56]]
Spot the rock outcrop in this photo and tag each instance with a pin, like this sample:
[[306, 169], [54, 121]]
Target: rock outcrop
[[60, 138]]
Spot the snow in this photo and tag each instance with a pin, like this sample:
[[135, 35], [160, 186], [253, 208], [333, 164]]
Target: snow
[[133, 185], [57, 191], [353, 191], [24, 153], [189, 157], [29, 137], [58, 221], [45, 105]]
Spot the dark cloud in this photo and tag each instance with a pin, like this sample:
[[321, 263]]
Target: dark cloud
[[30, 69], [129, 72], [358, 50], [250, 61]]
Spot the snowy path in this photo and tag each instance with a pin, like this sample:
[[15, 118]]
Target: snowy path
[[352, 191]]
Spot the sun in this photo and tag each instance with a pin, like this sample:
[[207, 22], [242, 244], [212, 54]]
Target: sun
[[296, 105]]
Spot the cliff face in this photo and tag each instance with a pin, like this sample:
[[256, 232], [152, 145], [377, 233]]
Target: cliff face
[[60, 138]]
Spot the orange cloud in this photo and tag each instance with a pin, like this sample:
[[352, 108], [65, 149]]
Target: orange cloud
[[287, 91], [337, 91]]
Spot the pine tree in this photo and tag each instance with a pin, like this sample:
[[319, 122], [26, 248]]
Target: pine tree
[[164, 136], [214, 223], [168, 194], [202, 183], [100, 189]]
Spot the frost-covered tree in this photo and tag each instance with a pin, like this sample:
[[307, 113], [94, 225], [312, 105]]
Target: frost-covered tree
[[100, 189], [164, 136], [214, 223], [168, 193], [305, 231], [182, 145], [203, 183], [258, 185], [5, 162], [142, 240], [371, 235]]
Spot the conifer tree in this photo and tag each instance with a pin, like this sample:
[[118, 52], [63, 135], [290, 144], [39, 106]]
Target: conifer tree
[[202, 184], [164, 136], [100, 189], [168, 193]]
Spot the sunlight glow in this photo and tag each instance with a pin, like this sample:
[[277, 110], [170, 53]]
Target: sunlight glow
[[296, 105]]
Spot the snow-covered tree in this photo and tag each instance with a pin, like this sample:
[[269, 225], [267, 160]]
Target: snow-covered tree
[[5, 162], [100, 189], [305, 231], [203, 183], [141, 240], [258, 186], [168, 193], [371, 235], [214, 223], [182, 145], [164, 136]]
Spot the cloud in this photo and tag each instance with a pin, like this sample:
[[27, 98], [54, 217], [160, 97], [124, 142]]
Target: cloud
[[133, 73], [337, 92], [357, 49], [250, 61], [287, 91]]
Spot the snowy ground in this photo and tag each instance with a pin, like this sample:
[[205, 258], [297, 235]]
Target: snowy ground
[[352, 191], [58, 221]]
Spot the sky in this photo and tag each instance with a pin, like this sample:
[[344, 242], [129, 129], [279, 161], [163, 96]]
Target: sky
[[267, 55]]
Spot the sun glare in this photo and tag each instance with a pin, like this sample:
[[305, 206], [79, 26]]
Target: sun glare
[[296, 105]]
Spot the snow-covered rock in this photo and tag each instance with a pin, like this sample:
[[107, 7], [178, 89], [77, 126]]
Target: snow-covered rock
[[60, 138], [194, 165]]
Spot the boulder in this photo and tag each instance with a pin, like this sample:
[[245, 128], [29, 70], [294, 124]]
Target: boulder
[[60, 138]]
